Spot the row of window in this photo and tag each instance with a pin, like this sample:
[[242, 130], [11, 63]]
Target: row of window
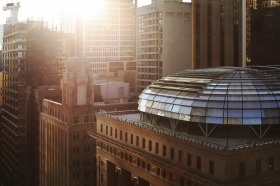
[[154, 147], [158, 171], [76, 149], [170, 152]]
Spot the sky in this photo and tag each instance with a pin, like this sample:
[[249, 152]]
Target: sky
[[43, 8]]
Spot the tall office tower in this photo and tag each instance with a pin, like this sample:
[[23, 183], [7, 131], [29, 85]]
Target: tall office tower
[[263, 32], [215, 126], [108, 34], [67, 155], [235, 33], [1, 35], [29, 61], [163, 40]]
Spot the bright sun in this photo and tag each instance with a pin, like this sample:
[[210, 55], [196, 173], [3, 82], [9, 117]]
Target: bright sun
[[87, 7]]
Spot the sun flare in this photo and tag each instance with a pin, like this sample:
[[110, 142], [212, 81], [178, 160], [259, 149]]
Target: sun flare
[[87, 7]]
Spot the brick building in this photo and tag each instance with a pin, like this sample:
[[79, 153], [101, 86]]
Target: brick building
[[199, 127]]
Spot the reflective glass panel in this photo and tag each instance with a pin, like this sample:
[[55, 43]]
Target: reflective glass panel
[[233, 113], [251, 104], [170, 100], [270, 113], [168, 107], [185, 110], [157, 98], [269, 104], [252, 121], [161, 106], [214, 120], [150, 97], [149, 103], [233, 104], [155, 105], [199, 103], [178, 101], [176, 108], [247, 113], [215, 112], [187, 102], [163, 99], [215, 104], [198, 111]]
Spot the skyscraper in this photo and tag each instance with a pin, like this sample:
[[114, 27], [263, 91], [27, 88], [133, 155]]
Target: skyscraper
[[109, 34], [163, 40], [235, 33], [29, 61]]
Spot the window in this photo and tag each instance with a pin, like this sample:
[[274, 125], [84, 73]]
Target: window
[[198, 163], [172, 153], [116, 133], [182, 181], [86, 119], [170, 177], [180, 156], [76, 119], [137, 141], [143, 165], [148, 167], [101, 128], [111, 131], [189, 160], [270, 163], [241, 169], [131, 138], [125, 137], [258, 166], [164, 150], [143, 143], [120, 135], [163, 173], [150, 145], [138, 162], [157, 147], [101, 177], [211, 167], [106, 130], [158, 171]]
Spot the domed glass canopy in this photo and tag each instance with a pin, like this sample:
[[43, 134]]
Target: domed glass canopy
[[238, 96]]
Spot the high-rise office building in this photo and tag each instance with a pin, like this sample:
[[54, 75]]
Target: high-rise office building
[[235, 33], [216, 126], [1, 35], [29, 61], [108, 34], [163, 40]]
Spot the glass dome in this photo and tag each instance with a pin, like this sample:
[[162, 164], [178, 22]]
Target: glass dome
[[226, 95]]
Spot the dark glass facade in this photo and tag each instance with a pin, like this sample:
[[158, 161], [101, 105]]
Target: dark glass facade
[[263, 32], [236, 33]]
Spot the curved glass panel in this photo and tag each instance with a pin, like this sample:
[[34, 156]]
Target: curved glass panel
[[214, 112], [185, 110], [217, 96], [214, 120]]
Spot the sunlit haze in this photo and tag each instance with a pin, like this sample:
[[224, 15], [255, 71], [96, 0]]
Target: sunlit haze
[[50, 10]]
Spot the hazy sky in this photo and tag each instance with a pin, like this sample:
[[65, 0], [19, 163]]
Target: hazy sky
[[39, 8]]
